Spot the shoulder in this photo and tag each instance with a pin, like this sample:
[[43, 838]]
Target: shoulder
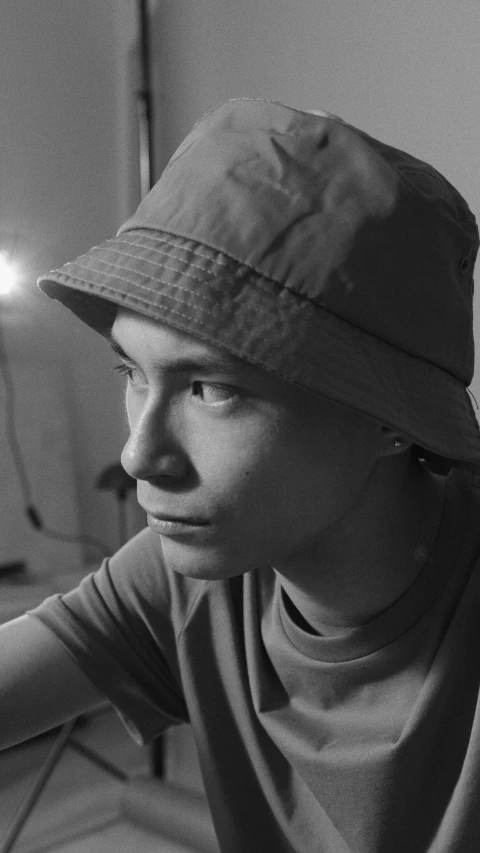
[[141, 576]]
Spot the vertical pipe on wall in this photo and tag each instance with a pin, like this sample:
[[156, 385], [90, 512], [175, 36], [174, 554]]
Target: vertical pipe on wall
[[144, 112], [144, 102]]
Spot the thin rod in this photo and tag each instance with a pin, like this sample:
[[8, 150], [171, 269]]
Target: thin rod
[[37, 787], [144, 102], [98, 759]]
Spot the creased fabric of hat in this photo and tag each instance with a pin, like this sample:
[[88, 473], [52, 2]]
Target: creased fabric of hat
[[306, 247]]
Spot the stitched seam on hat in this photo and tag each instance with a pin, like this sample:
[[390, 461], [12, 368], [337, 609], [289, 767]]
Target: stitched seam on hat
[[133, 296], [210, 328], [205, 298], [242, 264], [439, 430], [239, 264], [300, 296], [175, 246], [135, 282], [211, 283], [259, 276], [165, 266]]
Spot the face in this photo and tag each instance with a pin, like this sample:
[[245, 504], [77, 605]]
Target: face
[[255, 468]]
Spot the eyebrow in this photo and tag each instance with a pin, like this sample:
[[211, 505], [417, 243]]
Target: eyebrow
[[202, 361]]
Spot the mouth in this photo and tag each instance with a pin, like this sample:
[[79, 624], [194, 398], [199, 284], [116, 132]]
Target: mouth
[[176, 519], [174, 526]]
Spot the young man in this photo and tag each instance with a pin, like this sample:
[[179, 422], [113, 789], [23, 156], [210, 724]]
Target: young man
[[292, 305]]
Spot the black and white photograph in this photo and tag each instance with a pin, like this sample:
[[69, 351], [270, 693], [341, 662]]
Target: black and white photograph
[[239, 428]]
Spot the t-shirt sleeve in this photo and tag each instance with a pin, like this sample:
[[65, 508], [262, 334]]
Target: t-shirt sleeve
[[121, 626]]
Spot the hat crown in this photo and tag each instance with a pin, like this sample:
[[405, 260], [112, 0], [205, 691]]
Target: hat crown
[[355, 226]]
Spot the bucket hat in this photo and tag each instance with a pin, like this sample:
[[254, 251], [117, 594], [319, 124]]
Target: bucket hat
[[304, 246]]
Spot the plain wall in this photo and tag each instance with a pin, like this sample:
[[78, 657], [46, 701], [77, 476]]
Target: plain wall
[[68, 179]]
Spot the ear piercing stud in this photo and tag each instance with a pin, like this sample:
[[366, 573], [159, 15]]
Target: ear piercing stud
[[397, 442]]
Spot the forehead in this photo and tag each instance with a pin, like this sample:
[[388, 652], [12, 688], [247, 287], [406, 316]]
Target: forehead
[[134, 336], [153, 344]]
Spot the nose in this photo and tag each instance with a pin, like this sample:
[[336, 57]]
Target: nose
[[152, 449]]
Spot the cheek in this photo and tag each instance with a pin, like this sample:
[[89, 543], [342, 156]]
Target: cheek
[[318, 469], [233, 463], [240, 466]]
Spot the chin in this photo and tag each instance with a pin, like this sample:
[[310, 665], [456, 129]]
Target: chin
[[209, 564]]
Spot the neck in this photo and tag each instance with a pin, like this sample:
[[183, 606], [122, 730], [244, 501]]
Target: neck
[[370, 556]]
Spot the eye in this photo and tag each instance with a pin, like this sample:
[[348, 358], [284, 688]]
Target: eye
[[126, 370], [213, 395]]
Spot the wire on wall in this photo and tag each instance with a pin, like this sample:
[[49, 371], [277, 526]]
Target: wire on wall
[[30, 510]]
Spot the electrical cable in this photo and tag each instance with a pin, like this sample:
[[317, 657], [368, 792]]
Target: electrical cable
[[146, 177], [30, 510]]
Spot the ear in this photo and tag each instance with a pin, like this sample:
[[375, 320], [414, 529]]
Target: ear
[[392, 441]]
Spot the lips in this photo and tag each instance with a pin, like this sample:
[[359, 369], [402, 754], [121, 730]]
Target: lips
[[175, 519], [180, 528]]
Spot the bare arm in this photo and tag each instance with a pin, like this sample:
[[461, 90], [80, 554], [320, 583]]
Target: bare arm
[[41, 686]]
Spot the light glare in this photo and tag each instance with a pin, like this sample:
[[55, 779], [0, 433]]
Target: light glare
[[8, 275]]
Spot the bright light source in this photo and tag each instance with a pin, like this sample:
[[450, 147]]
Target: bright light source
[[8, 275]]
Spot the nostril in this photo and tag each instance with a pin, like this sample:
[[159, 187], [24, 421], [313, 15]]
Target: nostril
[[323, 142]]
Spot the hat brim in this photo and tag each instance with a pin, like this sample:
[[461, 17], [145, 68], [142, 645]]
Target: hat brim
[[198, 290]]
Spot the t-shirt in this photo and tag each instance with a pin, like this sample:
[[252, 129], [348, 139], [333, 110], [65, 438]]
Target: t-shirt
[[366, 743]]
